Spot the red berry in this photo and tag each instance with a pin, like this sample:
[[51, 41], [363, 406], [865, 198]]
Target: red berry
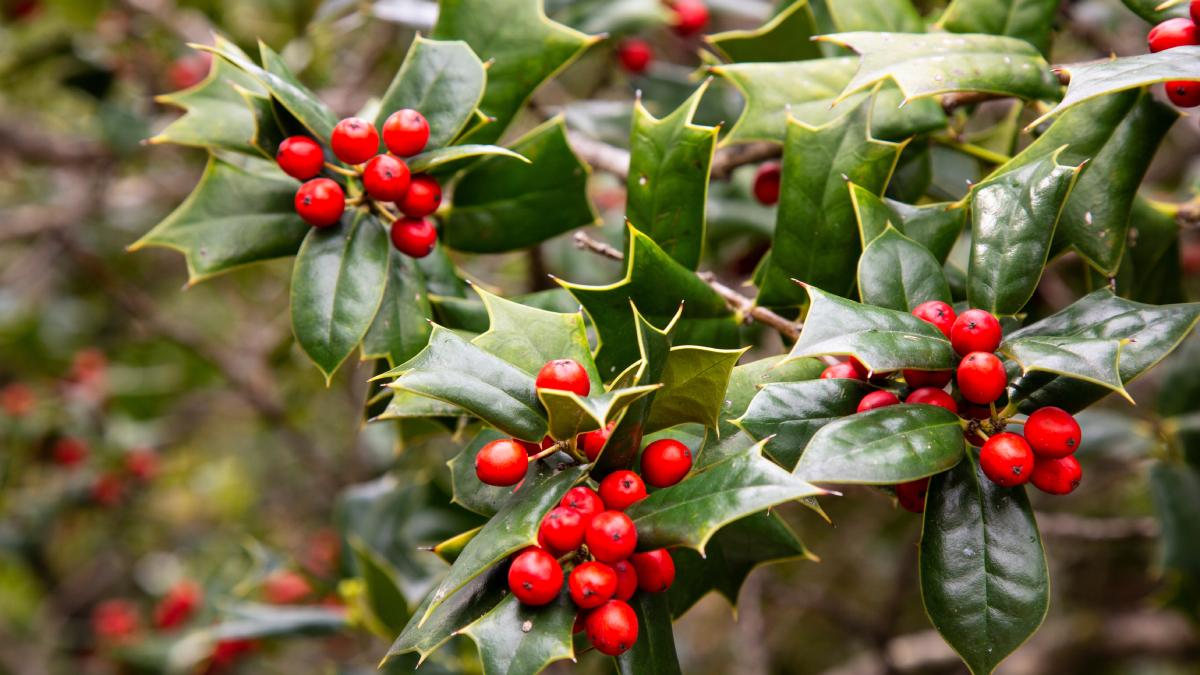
[[190, 70], [1057, 476], [592, 442], [386, 178], [535, 577], [655, 570], [975, 331], [228, 652], [691, 16], [665, 462], [564, 375], [142, 463], [841, 371], [300, 157], [17, 399], [766, 183], [115, 619], [611, 536], [1052, 432], [863, 371], [635, 55], [981, 377], [423, 197], [285, 587], [937, 313], [1194, 10], [414, 237], [579, 623], [69, 451], [320, 202], [928, 378], [178, 605], [612, 628], [911, 495], [501, 462], [1184, 93], [355, 140], [1172, 33], [584, 500], [621, 489], [877, 399], [627, 580], [933, 396], [592, 584], [1006, 459], [406, 132], [562, 530], [108, 490]]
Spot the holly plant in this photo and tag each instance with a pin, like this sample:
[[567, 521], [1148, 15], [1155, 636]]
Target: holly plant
[[620, 445]]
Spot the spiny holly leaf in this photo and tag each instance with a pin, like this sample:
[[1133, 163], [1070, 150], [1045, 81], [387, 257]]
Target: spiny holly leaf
[[1013, 217], [1151, 12], [1088, 359], [694, 383], [474, 599], [514, 639], [690, 512], [785, 416], [983, 571], [401, 326], [884, 340], [337, 285], [785, 37], [937, 63], [267, 132], [885, 446], [1029, 20], [897, 272], [1097, 78], [528, 51], [897, 16], [239, 213], [746, 380], [451, 548], [442, 80], [385, 601], [934, 226], [816, 233], [654, 651], [667, 187], [806, 90], [500, 205], [529, 337], [432, 160], [571, 415]]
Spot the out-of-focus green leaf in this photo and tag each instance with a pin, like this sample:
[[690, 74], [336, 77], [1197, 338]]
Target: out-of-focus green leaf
[[897, 16], [384, 597], [1149, 9], [442, 80]]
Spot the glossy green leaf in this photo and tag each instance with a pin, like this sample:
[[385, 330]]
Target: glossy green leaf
[[1089, 359], [529, 337], [383, 595], [238, 214], [470, 492], [694, 383], [897, 16], [217, 116], [431, 626], [898, 273], [654, 651], [787, 415], [431, 160], [1149, 9], [746, 380], [449, 549], [934, 226], [571, 415], [515, 639], [785, 37], [408, 405], [250, 620], [337, 286], [401, 327], [442, 80], [1029, 20], [983, 571]]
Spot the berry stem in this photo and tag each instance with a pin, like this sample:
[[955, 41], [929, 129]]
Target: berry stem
[[557, 447], [337, 169], [383, 211]]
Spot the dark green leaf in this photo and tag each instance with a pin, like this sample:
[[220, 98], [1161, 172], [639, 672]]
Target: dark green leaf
[[788, 414], [1029, 20], [746, 380], [383, 595], [472, 493], [442, 80], [424, 633], [247, 620], [571, 415], [897, 16], [934, 226], [529, 337], [1088, 359], [1153, 256], [785, 37], [1176, 492], [406, 404], [515, 639], [694, 383], [898, 273], [401, 327], [1149, 9], [654, 651]]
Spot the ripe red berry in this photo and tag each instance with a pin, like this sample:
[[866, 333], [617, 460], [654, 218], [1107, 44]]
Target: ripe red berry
[[1184, 93], [635, 55], [937, 313], [592, 442], [1006, 459], [423, 197], [981, 377], [933, 396], [564, 375], [665, 462], [621, 489], [1052, 432], [584, 500], [414, 237], [406, 132], [320, 202], [142, 463], [1177, 32], [561, 530], [355, 140], [975, 331], [69, 451], [592, 584], [1194, 10], [535, 577], [1057, 476], [911, 495], [655, 570], [386, 178], [928, 378], [691, 16], [300, 157], [627, 580], [877, 399], [186, 71], [115, 619], [841, 371], [501, 462], [766, 183], [17, 399], [611, 536], [286, 587], [612, 628], [108, 490], [178, 605]]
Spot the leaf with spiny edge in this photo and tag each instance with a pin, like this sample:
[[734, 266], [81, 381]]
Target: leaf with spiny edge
[[571, 414], [444, 81], [515, 638], [934, 226], [1029, 20], [784, 37], [529, 337], [897, 272], [1094, 360], [786, 415], [746, 380], [694, 382]]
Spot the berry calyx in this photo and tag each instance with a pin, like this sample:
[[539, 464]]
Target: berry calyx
[[621, 489], [665, 462], [561, 530], [611, 536], [423, 197], [501, 462], [655, 570], [1184, 93], [635, 55], [841, 371], [612, 628], [877, 399], [564, 375], [1057, 476], [592, 584], [981, 377], [535, 577], [386, 178], [584, 500], [627, 580], [320, 202], [937, 313], [354, 140], [405, 132], [1052, 432], [766, 183], [592, 442], [911, 495], [1007, 459], [300, 157], [928, 378], [691, 16], [975, 331], [933, 396], [414, 237], [1177, 32]]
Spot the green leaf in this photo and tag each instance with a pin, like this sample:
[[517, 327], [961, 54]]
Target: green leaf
[[885, 446], [654, 651], [694, 382], [690, 512], [401, 327], [470, 492], [816, 233], [1089, 359], [431, 626], [746, 380], [500, 205], [898, 273], [1175, 489], [1149, 9], [237, 215], [937, 63], [439, 157], [667, 186], [515, 639], [785, 37], [1153, 256], [442, 80], [897, 16], [1029, 20], [1013, 217], [571, 415], [529, 337], [407, 405], [983, 571], [806, 91], [528, 51], [337, 286], [451, 548], [787, 415], [884, 340], [218, 116], [934, 226], [384, 597], [250, 620]]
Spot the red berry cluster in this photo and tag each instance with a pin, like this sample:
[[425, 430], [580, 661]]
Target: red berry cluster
[[320, 201], [1178, 32], [688, 18]]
